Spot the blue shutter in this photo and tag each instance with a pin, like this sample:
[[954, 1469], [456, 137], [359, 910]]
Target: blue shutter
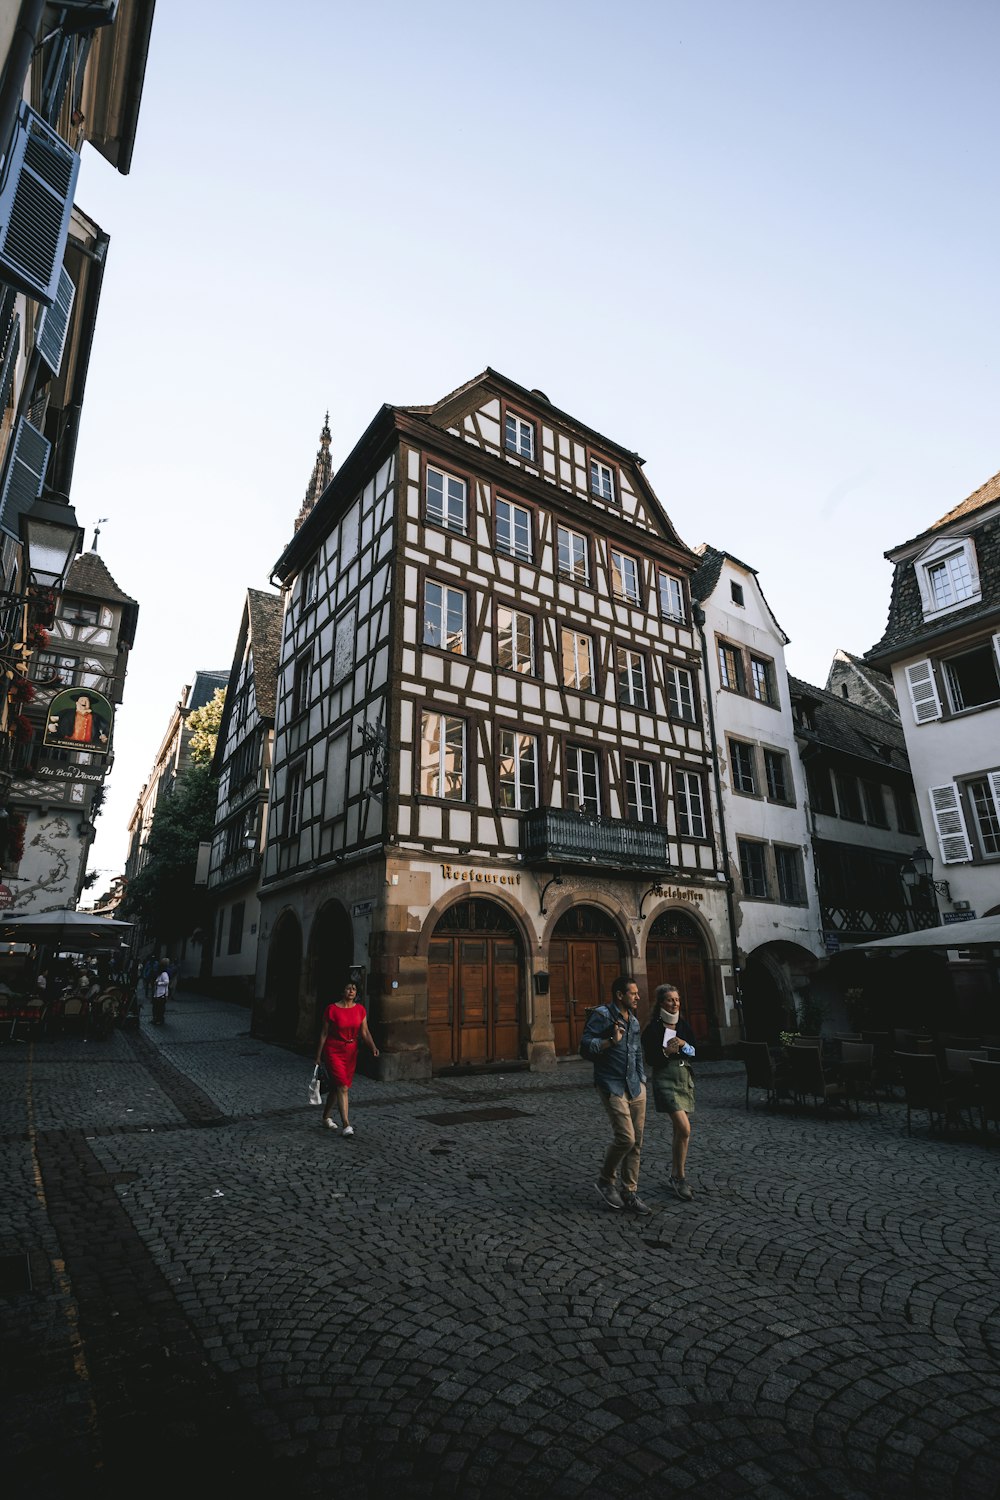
[[29, 458], [36, 199], [11, 350], [56, 77], [53, 324]]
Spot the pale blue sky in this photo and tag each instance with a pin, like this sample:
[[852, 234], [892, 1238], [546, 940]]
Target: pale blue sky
[[755, 242]]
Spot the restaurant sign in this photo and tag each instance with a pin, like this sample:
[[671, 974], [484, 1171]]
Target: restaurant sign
[[478, 877], [70, 773], [80, 719]]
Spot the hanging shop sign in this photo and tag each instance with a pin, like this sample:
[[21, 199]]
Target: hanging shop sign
[[80, 719]]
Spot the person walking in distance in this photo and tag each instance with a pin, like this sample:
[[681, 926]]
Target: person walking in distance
[[345, 1022], [161, 989], [668, 1046], [612, 1042]]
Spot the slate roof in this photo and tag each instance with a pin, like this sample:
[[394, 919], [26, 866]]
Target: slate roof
[[89, 576], [203, 690], [265, 635], [849, 729], [704, 580], [906, 625]]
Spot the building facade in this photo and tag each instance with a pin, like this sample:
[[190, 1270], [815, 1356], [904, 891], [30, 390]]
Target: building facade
[[765, 814], [59, 790], [942, 645], [492, 785], [243, 766]]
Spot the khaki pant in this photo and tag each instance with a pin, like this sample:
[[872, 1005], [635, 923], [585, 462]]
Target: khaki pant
[[627, 1116]]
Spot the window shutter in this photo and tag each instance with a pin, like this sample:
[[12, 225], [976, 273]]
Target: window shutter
[[53, 324], [994, 781], [996, 652], [923, 692], [11, 350], [949, 820], [29, 457], [35, 204]]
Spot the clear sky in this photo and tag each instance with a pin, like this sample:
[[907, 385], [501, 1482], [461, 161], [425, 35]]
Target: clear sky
[[755, 241]]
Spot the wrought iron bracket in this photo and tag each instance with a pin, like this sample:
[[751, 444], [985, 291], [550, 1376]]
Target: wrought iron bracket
[[655, 889], [555, 879]]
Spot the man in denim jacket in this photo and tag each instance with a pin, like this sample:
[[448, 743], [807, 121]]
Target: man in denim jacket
[[612, 1040]]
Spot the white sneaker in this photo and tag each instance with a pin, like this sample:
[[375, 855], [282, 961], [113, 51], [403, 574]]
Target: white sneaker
[[330, 1124], [348, 1129]]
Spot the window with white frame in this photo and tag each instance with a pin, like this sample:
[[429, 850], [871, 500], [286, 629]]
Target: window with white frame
[[517, 775], [293, 801], [583, 780], [442, 756], [301, 685], [444, 617], [948, 576], [573, 554], [515, 640], [640, 791], [513, 529], [689, 804], [631, 667], [624, 576], [743, 759], [972, 678], [983, 796], [680, 693], [577, 660], [310, 581], [446, 500], [602, 481], [519, 436], [671, 596]]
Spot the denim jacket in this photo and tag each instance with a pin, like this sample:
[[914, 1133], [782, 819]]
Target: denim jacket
[[618, 1069]]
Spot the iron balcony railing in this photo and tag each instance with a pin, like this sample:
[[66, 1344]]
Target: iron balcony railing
[[552, 836], [863, 922]]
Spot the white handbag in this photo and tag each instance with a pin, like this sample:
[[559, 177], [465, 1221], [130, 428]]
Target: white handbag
[[315, 1092]]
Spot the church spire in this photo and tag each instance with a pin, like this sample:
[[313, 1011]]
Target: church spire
[[321, 475]]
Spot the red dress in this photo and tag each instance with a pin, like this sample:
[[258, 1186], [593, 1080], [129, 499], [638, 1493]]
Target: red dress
[[340, 1050]]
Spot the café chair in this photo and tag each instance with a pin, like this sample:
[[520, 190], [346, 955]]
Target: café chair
[[925, 1088], [807, 1079], [960, 1043], [760, 1071], [986, 1079], [857, 1070]]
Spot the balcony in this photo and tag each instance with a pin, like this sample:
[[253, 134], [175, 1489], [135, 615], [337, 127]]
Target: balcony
[[550, 836], [857, 923]]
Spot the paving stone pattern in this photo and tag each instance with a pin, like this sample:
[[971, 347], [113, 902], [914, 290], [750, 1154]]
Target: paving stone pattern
[[224, 1292]]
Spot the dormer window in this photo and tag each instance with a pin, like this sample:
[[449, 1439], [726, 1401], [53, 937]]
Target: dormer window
[[519, 436], [947, 575], [602, 481]]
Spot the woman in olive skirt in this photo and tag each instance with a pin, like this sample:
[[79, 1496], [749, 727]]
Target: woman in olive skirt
[[668, 1047]]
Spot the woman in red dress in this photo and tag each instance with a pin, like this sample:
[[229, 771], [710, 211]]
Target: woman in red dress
[[338, 1051]]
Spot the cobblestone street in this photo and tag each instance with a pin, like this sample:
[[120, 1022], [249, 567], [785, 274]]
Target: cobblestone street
[[442, 1306]]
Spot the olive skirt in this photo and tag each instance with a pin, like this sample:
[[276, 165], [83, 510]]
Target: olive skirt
[[673, 1088]]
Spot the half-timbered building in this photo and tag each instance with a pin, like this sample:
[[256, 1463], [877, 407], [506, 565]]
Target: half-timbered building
[[491, 788]]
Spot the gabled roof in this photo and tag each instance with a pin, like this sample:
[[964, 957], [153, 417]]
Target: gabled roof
[[873, 682], [849, 728], [704, 582], [89, 576]]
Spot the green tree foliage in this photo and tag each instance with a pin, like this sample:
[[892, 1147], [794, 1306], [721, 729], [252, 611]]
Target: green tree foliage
[[163, 895], [203, 725]]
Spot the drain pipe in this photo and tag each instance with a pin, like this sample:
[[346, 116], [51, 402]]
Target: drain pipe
[[698, 615]]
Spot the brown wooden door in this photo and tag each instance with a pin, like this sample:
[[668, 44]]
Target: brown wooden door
[[583, 965], [675, 954], [474, 988]]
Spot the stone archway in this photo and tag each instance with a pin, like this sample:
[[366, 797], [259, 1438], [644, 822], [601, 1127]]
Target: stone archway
[[475, 986], [331, 954], [284, 972], [586, 956], [676, 953]]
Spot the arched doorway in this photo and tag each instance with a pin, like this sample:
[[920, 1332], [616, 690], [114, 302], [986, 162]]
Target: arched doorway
[[586, 956], [675, 954], [475, 1000], [331, 954], [284, 967]]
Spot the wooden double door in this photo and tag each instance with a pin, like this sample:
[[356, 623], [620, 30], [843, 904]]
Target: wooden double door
[[675, 954], [475, 1002], [585, 959]]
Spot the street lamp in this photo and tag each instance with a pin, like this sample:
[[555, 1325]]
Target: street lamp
[[917, 871], [51, 537]]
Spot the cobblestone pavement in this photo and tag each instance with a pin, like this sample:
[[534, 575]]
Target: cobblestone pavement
[[443, 1307]]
